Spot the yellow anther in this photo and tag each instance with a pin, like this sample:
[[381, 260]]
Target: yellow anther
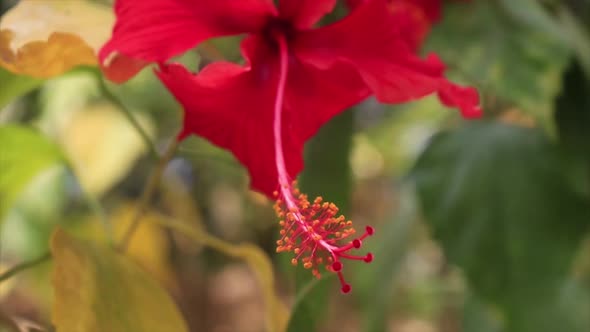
[[294, 262], [307, 265]]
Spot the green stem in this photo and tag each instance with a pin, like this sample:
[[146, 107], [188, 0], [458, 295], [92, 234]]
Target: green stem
[[23, 266], [147, 194], [98, 210], [129, 115]]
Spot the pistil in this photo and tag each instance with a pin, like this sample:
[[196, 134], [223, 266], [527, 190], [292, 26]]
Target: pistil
[[310, 230]]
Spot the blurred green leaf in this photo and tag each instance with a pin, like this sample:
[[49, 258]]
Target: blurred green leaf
[[505, 56], [24, 154], [479, 317], [302, 318], [572, 111], [572, 117], [497, 200], [327, 169], [578, 36], [375, 282], [532, 13], [97, 289], [14, 86]]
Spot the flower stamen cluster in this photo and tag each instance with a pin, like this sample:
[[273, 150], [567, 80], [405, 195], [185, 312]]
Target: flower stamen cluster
[[313, 231]]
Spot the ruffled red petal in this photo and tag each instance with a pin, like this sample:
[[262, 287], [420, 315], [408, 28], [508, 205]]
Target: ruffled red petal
[[305, 13], [373, 39], [156, 30], [232, 106]]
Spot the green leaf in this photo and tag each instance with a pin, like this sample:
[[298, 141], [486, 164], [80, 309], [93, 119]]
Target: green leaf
[[572, 112], [302, 318], [479, 317], [572, 118], [390, 249], [327, 170], [14, 86], [498, 202], [97, 289], [24, 154], [532, 13], [577, 35], [504, 56]]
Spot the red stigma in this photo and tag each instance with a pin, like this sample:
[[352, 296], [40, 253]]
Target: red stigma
[[313, 231], [345, 288]]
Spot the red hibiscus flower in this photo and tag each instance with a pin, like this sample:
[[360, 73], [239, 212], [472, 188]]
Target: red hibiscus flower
[[295, 79]]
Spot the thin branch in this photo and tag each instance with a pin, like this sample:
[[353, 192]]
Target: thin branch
[[23, 266], [147, 194], [130, 117]]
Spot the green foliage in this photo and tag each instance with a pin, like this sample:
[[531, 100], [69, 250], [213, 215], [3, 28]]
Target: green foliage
[[509, 49], [390, 247], [25, 154], [498, 201], [303, 316], [572, 112], [14, 86]]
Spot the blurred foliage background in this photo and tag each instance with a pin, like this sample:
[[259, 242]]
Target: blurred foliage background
[[481, 226]]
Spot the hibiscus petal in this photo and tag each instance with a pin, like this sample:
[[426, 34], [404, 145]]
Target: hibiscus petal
[[431, 8], [373, 39], [232, 106], [156, 30], [305, 13], [224, 104]]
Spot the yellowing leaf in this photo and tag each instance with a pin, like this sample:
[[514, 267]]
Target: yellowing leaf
[[102, 146], [277, 313], [44, 38], [148, 247], [98, 290]]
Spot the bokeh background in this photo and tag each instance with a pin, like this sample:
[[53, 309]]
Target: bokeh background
[[482, 226]]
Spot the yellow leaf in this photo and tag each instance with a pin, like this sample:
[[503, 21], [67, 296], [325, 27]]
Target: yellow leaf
[[277, 313], [148, 247], [44, 38], [98, 290], [102, 146]]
